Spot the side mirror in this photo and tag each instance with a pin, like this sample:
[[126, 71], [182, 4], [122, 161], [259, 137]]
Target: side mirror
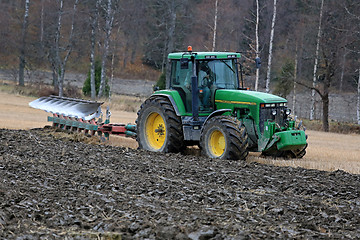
[[184, 63], [257, 62]]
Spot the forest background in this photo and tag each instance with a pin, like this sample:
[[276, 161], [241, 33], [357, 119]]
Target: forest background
[[309, 49]]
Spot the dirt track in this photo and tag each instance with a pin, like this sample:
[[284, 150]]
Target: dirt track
[[57, 188]]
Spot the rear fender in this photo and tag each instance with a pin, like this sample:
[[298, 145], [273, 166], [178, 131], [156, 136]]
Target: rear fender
[[176, 102]]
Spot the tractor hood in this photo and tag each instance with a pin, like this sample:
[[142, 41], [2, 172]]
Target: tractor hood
[[246, 97]]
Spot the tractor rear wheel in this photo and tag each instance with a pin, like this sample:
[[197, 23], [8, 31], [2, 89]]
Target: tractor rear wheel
[[159, 129], [224, 137]]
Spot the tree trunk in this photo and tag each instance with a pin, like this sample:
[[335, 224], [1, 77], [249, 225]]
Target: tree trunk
[[270, 49], [108, 29], [42, 25], [68, 52], [257, 45], [358, 100], [325, 96], [312, 105], [170, 35], [343, 69], [93, 24], [56, 57], [295, 79], [23, 43], [325, 117], [215, 25]]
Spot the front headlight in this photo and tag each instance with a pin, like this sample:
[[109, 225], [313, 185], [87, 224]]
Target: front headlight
[[273, 112], [288, 111]]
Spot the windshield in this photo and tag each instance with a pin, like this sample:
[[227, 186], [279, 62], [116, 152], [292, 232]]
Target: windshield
[[221, 73]]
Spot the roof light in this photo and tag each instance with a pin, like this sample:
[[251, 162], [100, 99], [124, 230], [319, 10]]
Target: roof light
[[189, 48], [231, 56], [210, 56]]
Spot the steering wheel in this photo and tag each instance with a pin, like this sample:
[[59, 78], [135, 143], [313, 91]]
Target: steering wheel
[[205, 81]]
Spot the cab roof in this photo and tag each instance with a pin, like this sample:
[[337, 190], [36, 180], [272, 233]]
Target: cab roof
[[204, 55]]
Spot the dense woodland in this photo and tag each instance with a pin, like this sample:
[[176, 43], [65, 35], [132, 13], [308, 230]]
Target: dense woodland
[[308, 45]]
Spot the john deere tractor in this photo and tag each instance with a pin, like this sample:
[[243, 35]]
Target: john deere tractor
[[205, 105]]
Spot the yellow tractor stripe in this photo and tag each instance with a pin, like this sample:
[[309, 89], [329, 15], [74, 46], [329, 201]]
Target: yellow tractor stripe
[[235, 102]]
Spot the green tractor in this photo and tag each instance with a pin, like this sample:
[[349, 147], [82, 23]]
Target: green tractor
[[204, 105]]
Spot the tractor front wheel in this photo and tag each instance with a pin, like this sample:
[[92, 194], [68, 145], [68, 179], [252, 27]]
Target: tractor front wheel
[[224, 137], [159, 129]]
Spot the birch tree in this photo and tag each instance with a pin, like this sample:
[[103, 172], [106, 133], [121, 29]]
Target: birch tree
[[215, 25], [346, 52], [23, 43], [68, 51], [358, 100], [93, 24], [109, 19], [295, 79], [55, 48], [170, 34], [42, 25], [312, 105], [268, 74], [257, 54]]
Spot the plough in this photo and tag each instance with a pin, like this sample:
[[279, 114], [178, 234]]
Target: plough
[[78, 115]]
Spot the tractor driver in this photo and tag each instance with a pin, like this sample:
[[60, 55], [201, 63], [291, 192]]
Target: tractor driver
[[206, 79]]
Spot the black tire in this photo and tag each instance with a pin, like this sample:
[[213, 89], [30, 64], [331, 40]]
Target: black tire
[[288, 154], [299, 153], [224, 137], [168, 138]]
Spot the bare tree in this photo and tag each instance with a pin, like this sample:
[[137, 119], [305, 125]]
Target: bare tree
[[267, 81], [295, 78], [346, 52], [312, 106], [257, 45], [170, 34], [93, 23], [109, 19], [215, 24], [23, 43], [358, 100], [68, 51]]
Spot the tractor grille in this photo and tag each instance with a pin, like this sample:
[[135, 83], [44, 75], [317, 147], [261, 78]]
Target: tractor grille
[[266, 113]]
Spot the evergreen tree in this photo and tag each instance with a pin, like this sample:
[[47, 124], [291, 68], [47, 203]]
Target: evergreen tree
[[87, 86], [285, 80]]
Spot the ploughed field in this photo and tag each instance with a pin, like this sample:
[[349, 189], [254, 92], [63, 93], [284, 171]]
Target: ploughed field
[[59, 187]]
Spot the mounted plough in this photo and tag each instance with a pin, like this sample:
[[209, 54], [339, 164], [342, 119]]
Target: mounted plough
[[81, 116]]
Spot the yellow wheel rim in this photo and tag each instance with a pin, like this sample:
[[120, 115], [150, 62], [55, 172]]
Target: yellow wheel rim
[[217, 143], [155, 130]]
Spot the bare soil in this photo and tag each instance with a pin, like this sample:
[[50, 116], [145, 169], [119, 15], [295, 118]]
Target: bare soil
[[57, 187]]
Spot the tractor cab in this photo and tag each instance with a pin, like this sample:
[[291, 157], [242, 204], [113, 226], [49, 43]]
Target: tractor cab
[[211, 70]]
